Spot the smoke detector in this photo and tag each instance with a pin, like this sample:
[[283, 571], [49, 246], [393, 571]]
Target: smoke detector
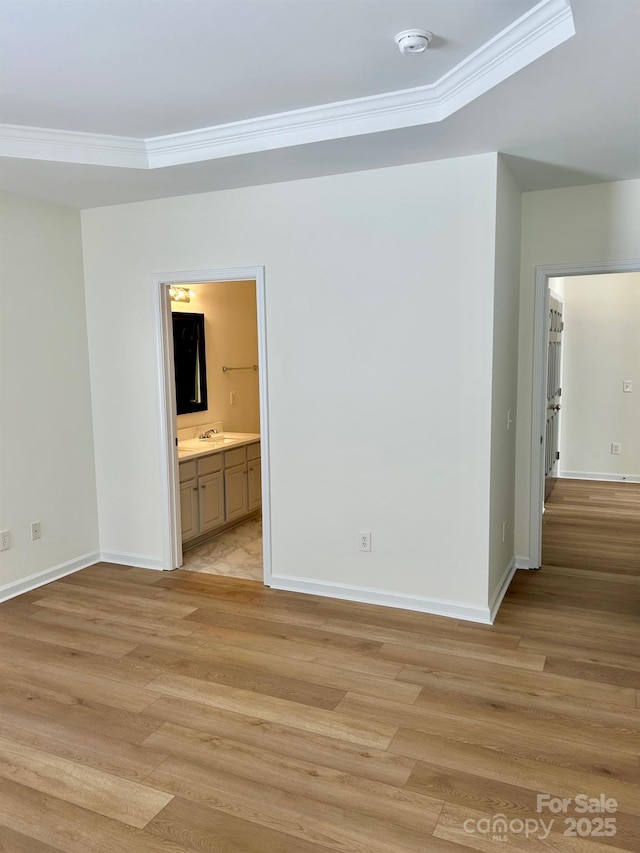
[[413, 41]]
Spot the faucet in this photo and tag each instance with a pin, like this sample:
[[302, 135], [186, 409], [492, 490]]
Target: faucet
[[209, 433]]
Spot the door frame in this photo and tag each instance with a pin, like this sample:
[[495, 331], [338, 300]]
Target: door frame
[[538, 408], [170, 479]]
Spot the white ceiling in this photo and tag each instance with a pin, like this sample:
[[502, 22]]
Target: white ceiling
[[566, 109]]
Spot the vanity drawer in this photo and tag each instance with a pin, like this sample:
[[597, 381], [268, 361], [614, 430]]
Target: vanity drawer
[[235, 457], [187, 470], [253, 451], [209, 464]]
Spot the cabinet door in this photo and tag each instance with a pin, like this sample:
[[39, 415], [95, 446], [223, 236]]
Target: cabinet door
[[188, 509], [254, 477], [235, 492], [211, 498]]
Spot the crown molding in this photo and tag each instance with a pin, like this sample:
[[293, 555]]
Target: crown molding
[[541, 29], [67, 146], [528, 38], [545, 26]]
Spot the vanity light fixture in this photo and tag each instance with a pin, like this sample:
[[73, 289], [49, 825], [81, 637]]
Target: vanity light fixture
[[181, 294]]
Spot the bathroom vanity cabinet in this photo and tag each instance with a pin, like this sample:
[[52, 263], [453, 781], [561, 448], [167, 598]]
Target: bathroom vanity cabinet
[[217, 489]]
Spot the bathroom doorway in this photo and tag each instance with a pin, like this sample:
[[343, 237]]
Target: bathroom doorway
[[217, 464]]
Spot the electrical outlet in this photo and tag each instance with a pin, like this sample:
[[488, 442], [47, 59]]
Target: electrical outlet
[[364, 538], [627, 386], [36, 530], [5, 540], [616, 448]]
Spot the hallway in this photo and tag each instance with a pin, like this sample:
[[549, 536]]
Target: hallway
[[593, 525]]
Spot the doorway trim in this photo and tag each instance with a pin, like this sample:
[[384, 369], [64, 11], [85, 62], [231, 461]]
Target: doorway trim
[[166, 385], [540, 336]]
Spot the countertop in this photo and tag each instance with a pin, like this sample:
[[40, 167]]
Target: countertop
[[194, 447]]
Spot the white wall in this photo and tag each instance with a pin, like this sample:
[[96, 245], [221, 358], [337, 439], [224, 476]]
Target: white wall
[[505, 378], [231, 338], [46, 435], [601, 348], [574, 225], [379, 347]]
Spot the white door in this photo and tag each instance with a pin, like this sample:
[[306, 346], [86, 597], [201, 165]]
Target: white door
[[554, 392]]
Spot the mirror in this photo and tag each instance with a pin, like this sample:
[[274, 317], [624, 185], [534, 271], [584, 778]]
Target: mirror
[[190, 363]]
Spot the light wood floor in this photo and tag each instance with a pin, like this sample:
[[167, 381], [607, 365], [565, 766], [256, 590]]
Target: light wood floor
[[144, 712], [593, 525]]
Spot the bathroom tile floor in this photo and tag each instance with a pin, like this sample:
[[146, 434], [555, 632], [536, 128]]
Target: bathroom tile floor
[[236, 553]]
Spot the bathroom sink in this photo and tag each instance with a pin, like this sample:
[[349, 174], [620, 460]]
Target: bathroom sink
[[204, 443]]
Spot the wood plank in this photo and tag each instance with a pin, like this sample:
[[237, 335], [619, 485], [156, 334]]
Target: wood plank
[[594, 672], [212, 636], [114, 612], [81, 686], [406, 620], [134, 602], [573, 651], [479, 677], [308, 779], [316, 720], [210, 614], [100, 792], [283, 631], [481, 728], [62, 737], [318, 673], [603, 577], [70, 828], [129, 574], [83, 640], [130, 633], [214, 668], [504, 682], [280, 811], [512, 768], [21, 651], [369, 763], [16, 842], [207, 830], [393, 636], [616, 727]]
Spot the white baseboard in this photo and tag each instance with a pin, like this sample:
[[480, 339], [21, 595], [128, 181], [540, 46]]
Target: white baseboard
[[522, 563], [364, 595], [10, 590], [136, 561], [596, 475], [501, 589]]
